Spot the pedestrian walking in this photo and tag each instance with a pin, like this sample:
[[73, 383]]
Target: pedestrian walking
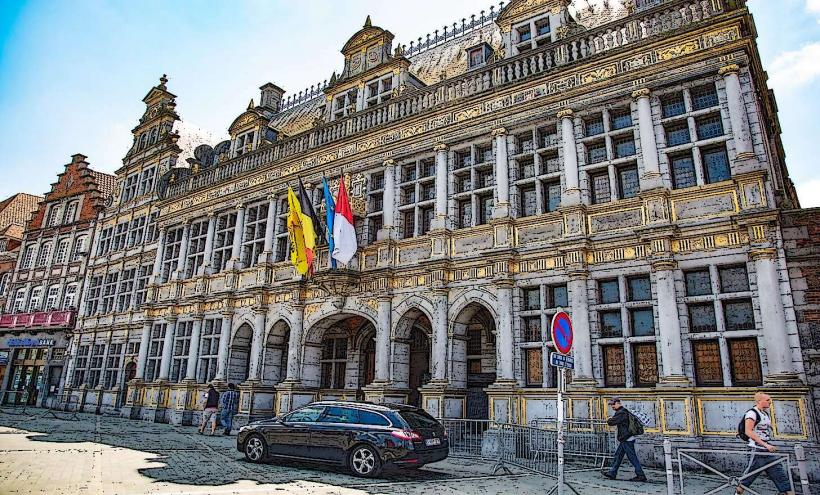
[[210, 410], [229, 404], [629, 426], [756, 429]]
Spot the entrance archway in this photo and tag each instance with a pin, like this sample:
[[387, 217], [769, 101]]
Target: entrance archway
[[239, 353], [474, 357], [412, 353], [339, 355], [275, 357]]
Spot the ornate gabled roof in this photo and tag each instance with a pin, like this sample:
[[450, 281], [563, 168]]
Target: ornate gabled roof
[[365, 37], [520, 10]]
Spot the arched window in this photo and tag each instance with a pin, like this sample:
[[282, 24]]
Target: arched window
[[19, 300], [28, 257], [53, 217], [69, 298], [61, 255], [45, 253], [52, 297], [71, 212], [34, 299]]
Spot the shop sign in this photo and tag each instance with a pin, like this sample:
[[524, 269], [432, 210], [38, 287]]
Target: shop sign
[[18, 342]]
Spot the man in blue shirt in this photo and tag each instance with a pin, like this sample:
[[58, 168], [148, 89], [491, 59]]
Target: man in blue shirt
[[229, 405]]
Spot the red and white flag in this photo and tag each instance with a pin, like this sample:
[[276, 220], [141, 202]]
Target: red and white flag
[[344, 230]]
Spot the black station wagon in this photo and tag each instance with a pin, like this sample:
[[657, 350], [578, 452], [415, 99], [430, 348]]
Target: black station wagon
[[361, 436]]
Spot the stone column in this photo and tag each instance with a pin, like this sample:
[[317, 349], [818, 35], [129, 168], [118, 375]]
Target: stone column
[[295, 344], [206, 268], [582, 342], [389, 201], [142, 358], [224, 343], [572, 193], [501, 208], [737, 112], [773, 318], [440, 330], [193, 349], [257, 345], [383, 340], [167, 349], [156, 272], [181, 271], [669, 324], [440, 221], [651, 178], [236, 249], [267, 252], [504, 338]]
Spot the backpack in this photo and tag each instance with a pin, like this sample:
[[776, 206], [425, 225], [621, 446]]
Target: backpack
[[741, 427], [634, 425]]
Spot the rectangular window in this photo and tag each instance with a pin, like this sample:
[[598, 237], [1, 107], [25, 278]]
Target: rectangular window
[[709, 126], [620, 119], [136, 231], [105, 241], [677, 134], [151, 230], [209, 350], [112, 366], [526, 167], [642, 321], [704, 97], [639, 288], [143, 275], [155, 345], [147, 181], [744, 358], [485, 208], [463, 183], [557, 296], [120, 235], [125, 290], [427, 214], [61, 255], [739, 315], [716, 165], [609, 291], [611, 324], [196, 247], [594, 126], [129, 188], [535, 367], [599, 187], [409, 223], [484, 154], [646, 364], [334, 363], [552, 196], [182, 344], [465, 213], [109, 289], [683, 172], [408, 195], [484, 178], [596, 152], [628, 183], [614, 368], [673, 105], [532, 328], [529, 200], [170, 257], [708, 367], [698, 283], [531, 297], [624, 146], [223, 240], [542, 27], [80, 365], [95, 365], [733, 279], [92, 300], [702, 318], [524, 34], [253, 241]]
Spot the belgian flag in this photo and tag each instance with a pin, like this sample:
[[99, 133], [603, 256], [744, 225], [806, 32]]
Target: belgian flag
[[302, 235]]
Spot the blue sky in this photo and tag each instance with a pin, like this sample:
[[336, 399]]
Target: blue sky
[[72, 74]]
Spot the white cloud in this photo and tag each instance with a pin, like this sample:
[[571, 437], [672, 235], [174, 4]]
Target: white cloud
[[813, 7], [809, 193], [793, 69]]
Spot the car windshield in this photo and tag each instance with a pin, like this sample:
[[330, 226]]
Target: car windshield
[[304, 415], [419, 419]]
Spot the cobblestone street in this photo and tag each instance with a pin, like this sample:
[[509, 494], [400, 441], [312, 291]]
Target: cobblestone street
[[41, 454]]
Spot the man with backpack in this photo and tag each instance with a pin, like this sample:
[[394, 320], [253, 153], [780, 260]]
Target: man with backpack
[[629, 426], [755, 428]]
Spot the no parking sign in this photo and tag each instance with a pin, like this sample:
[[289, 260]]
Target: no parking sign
[[561, 330]]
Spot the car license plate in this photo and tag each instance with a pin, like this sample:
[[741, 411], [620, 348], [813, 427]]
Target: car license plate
[[432, 441]]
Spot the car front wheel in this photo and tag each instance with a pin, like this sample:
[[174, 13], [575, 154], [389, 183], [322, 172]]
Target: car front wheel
[[364, 461], [255, 449]]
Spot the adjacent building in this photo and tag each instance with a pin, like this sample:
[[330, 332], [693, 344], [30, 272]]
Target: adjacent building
[[624, 165], [46, 284]]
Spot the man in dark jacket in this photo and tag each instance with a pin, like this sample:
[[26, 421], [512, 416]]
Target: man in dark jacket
[[626, 442], [210, 409]]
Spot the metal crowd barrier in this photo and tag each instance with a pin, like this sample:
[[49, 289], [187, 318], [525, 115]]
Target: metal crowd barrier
[[14, 402], [589, 444]]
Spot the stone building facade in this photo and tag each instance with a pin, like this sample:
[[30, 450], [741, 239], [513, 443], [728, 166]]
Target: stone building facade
[[47, 283], [15, 212], [627, 168]]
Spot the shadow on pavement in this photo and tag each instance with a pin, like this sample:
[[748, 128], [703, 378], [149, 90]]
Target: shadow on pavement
[[182, 456]]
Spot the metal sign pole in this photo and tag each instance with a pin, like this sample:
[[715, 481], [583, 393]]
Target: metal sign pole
[[561, 381]]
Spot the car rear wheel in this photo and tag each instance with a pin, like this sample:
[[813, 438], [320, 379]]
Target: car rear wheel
[[256, 450], [364, 461]]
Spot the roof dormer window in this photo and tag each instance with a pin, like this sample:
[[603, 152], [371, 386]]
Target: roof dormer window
[[244, 143], [379, 90], [542, 27], [478, 55], [532, 33], [345, 103]]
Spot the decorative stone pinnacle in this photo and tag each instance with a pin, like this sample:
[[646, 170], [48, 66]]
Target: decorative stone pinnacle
[[499, 132], [566, 113], [641, 93], [163, 80], [729, 69], [367, 22]]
